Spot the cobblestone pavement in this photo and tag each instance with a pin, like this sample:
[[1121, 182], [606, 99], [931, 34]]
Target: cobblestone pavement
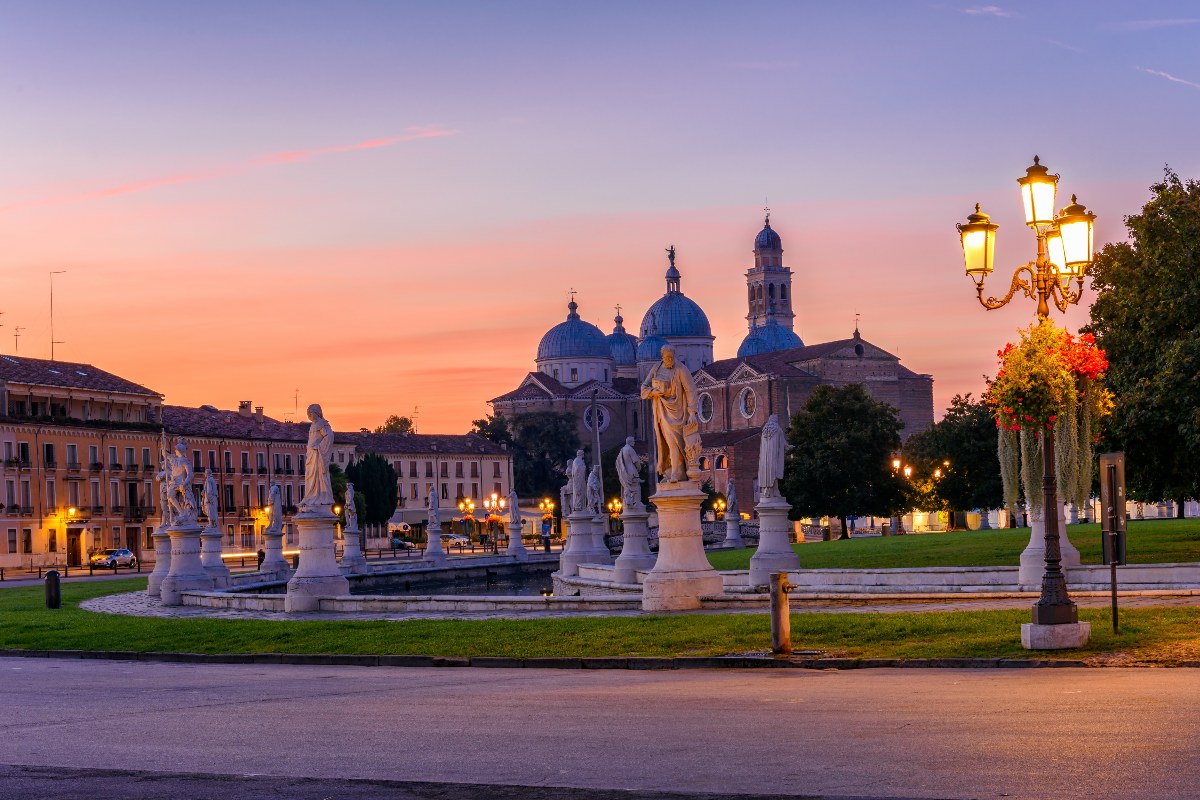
[[140, 605]]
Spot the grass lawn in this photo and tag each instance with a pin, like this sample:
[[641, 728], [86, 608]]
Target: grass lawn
[[1149, 636], [1148, 542]]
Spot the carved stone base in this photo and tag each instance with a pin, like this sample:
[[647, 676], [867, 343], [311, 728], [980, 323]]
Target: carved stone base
[[318, 575], [353, 561], [1033, 557], [681, 574], [733, 534], [274, 565], [775, 553], [635, 551], [187, 571], [434, 552], [162, 561], [1055, 637], [516, 547], [210, 557], [581, 547]]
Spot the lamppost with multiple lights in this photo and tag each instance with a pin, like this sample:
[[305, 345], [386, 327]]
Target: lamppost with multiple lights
[[614, 511], [1064, 253], [466, 507], [719, 506], [494, 505]]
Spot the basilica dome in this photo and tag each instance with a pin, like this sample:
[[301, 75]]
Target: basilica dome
[[574, 338], [622, 346], [650, 348], [768, 338], [767, 238]]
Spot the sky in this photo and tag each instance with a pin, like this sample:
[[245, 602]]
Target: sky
[[382, 206]]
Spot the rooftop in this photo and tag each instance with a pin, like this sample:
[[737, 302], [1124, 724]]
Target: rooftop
[[67, 375]]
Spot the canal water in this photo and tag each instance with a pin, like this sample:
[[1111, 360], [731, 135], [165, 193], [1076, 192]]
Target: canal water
[[527, 583]]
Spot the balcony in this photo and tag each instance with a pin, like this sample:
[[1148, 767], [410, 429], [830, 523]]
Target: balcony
[[117, 510], [147, 468], [73, 466], [134, 514], [229, 470], [50, 465], [115, 467], [289, 472], [262, 470], [26, 511], [246, 470], [96, 466], [97, 511]]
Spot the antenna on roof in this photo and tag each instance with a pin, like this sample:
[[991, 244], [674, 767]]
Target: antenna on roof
[[53, 272], [416, 415], [17, 339], [856, 317]]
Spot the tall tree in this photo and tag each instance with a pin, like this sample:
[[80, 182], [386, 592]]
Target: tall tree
[[1145, 317], [839, 464], [375, 477], [540, 443], [965, 438], [396, 424], [494, 428]]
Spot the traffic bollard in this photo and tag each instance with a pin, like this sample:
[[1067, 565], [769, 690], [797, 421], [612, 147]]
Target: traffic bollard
[[781, 620], [53, 590]]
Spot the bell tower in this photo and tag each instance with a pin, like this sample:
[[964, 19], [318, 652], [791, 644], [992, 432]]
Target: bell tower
[[769, 283]]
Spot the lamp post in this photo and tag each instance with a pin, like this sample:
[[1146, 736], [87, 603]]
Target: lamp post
[[719, 506], [896, 523], [614, 511], [466, 507], [494, 505], [1064, 252]]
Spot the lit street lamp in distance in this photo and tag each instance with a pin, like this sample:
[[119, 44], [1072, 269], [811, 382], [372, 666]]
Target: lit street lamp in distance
[[494, 504], [1064, 252], [614, 511]]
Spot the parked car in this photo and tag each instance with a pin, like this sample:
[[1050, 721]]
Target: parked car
[[402, 544], [113, 558], [455, 539]]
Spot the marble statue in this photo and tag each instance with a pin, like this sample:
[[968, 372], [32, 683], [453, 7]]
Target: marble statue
[[672, 395], [595, 492], [731, 504], [349, 509], [317, 489], [577, 481], [180, 498], [629, 472], [514, 509], [772, 449], [275, 525], [564, 499], [435, 513], [163, 478], [209, 499]]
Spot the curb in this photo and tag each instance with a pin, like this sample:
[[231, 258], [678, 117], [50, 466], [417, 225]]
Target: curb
[[497, 662]]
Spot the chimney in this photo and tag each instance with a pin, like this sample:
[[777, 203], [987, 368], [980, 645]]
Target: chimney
[[244, 407], [258, 413]]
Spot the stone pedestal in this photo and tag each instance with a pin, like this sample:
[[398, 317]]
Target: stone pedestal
[[516, 547], [353, 561], [318, 575], [434, 552], [162, 561], [581, 546], [274, 565], [1033, 558], [733, 532], [985, 524], [187, 571], [210, 557], [681, 574], [599, 540], [1055, 637], [635, 550], [774, 553]]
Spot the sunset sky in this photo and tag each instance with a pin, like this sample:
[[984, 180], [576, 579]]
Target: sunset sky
[[383, 205]]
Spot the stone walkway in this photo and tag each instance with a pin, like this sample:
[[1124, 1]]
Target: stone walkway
[[138, 604]]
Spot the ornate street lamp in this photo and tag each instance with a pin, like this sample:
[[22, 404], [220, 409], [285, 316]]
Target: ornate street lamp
[[719, 506], [1064, 251], [494, 505]]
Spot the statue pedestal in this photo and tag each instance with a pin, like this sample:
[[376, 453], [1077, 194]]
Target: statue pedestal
[[1033, 557], [516, 547], [681, 574], [635, 550], [210, 557], [353, 561], [274, 565], [775, 553], [187, 571], [162, 561], [434, 551], [733, 533], [985, 524], [581, 546], [318, 575]]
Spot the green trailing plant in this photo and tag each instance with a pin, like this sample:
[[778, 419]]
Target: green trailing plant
[[1031, 470], [1008, 450]]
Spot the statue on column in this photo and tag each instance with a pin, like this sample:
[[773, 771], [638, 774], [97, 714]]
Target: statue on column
[[318, 491], [771, 452], [564, 499], [349, 509], [629, 472], [731, 502], [275, 524], [577, 477], [514, 509], [672, 394], [209, 499], [595, 492], [163, 477], [180, 499], [435, 513]]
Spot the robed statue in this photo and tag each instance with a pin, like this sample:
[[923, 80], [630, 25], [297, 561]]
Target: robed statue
[[595, 492], [275, 509], [577, 475], [771, 452], [514, 508], [731, 503], [164, 482], [672, 394], [629, 465], [180, 499], [318, 491], [349, 509], [435, 513], [208, 498]]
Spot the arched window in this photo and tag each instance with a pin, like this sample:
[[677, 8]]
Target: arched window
[[783, 291], [722, 462], [703, 463], [771, 291]]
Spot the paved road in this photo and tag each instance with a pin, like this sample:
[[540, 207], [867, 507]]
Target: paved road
[[1113, 733]]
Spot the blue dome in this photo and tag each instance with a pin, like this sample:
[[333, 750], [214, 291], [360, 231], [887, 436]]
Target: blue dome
[[574, 338], [650, 348], [767, 238], [674, 314], [622, 345], [768, 338]]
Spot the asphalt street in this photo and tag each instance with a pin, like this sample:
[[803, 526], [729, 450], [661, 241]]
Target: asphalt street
[[130, 729]]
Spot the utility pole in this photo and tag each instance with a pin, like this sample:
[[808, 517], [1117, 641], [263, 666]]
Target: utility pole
[[53, 272]]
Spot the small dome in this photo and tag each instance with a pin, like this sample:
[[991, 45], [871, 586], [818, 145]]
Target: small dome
[[675, 314], [768, 338], [622, 345], [574, 338], [767, 238], [650, 348]]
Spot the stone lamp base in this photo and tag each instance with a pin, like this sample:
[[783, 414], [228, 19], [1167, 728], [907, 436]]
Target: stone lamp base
[[1066, 636]]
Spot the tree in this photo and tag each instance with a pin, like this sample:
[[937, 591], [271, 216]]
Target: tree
[[541, 443], [395, 424], [374, 476], [839, 464], [493, 428], [1145, 317], [966, 438]]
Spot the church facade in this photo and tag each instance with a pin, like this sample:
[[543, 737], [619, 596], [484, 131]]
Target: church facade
[[773, 372]]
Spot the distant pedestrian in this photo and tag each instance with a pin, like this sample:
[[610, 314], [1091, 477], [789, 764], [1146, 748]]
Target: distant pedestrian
[[546, 534], [262, 556]]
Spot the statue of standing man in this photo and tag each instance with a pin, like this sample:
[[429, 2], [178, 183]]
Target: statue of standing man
[[629, 465], [672, 394], [577, 481], [771, 452], [209, 499], [318, 491], [349, 509], [595, 492]]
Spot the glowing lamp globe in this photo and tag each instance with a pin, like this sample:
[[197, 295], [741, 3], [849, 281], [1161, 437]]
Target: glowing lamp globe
[[1054, 252], [979, 244], [1076, 224], [1038, 189]]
